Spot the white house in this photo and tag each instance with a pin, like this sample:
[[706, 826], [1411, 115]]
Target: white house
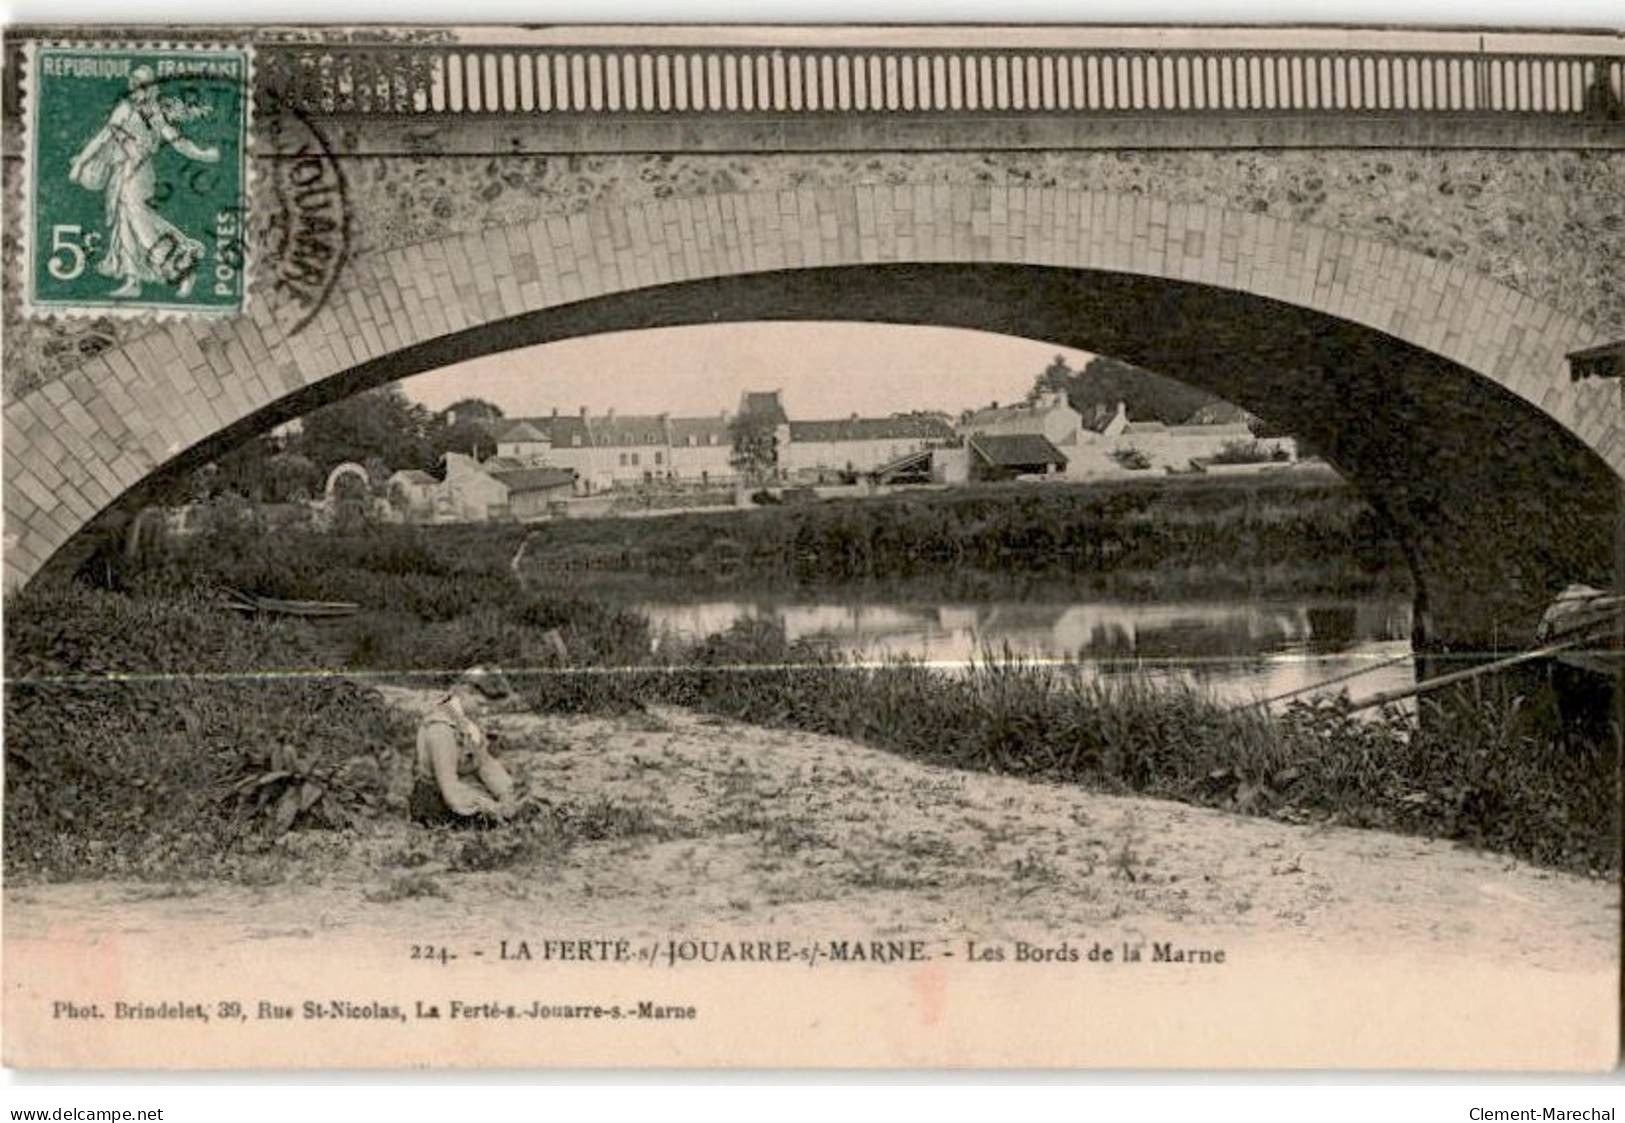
[[858, 444], [1050, 416]]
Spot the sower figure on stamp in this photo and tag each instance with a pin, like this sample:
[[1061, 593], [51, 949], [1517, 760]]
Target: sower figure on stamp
[[142, 246], [456, 781]]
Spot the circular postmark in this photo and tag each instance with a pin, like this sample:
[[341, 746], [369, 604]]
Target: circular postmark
[[304, 231]]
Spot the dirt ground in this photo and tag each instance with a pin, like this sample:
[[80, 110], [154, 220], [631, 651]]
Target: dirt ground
[[708, 824]]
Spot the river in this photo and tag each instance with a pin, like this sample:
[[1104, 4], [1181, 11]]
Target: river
[[1240, 651]]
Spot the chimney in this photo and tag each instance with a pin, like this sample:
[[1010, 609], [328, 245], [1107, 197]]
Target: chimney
[[555, 411], [583, 413], [609, 414], [995, 404], [854, 415]]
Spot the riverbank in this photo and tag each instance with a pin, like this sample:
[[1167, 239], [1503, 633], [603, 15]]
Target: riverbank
[[1135, 539], [243, 732], [718, 822], [1131, 538], [696, 829]]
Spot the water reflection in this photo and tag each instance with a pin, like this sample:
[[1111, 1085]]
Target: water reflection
[[1240, 651]]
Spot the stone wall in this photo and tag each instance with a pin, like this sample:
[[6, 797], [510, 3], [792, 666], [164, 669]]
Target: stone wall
[[1548, 224]]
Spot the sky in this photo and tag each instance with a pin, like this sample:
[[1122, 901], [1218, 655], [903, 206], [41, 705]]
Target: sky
[[826, 370]]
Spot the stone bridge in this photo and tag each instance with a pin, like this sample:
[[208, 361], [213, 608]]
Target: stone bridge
[[1389, 254]]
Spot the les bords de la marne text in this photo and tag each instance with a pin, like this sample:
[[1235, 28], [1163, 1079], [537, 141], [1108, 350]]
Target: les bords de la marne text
[[669, 953]]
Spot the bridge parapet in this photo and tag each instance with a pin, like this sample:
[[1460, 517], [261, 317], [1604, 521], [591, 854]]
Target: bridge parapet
[[465, 79]]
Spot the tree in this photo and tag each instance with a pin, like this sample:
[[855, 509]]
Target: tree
[[382, 424], [471, 409], [1104, 381], [290, 478], [755, 446], [471, 438], [241, 470], [1055, 378]]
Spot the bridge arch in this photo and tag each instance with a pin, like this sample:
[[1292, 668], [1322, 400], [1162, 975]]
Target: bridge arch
[[1357, 338]]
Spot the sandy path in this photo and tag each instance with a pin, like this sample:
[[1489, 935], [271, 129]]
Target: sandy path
[[715, 825]]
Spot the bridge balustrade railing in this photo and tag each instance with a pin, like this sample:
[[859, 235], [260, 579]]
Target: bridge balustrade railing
[[472, 80]]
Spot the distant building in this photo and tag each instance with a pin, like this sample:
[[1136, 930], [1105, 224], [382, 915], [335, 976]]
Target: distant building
[[622, 450], [858, 444], [412, 491], [701, 449], [1211, 432], [522, 438], [1050, 416], [841, 447], [558, 441], [530, 490], [468, 493], [1005, 457], [631, 449], [500, 488], [618, 451]]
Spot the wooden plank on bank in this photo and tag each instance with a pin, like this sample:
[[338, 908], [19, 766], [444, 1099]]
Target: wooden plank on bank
[[248, 602]]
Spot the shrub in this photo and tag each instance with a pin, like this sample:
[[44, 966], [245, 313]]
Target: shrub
[[280, 790], [125, 776], [1244, 452], [1131, 458]]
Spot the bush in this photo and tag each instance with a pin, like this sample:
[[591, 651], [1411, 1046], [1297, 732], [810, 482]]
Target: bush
[[137, 776], [1245, 452], [1131, 458]]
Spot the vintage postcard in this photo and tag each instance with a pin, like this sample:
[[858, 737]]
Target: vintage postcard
[[813, 546]]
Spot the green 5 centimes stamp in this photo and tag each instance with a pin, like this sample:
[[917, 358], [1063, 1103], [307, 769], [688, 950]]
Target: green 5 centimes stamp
[[137, 179]]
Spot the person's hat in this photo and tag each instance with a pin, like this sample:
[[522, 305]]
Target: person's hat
[[488, 681]]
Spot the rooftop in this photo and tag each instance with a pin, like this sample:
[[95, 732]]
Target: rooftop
[[533, 479], [872, 429], [522, 431], [768, 404], [994, 414], [561, 430], [1017, 450], [614, 430], [700, 428]]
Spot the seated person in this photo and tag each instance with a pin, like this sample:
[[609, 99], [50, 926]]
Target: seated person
[[456, 780]]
